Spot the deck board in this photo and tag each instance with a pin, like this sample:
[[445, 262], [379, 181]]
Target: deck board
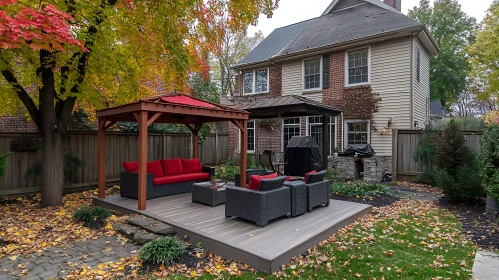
[[264, 249]]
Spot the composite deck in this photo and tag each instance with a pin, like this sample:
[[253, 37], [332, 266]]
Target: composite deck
[[264, 249]]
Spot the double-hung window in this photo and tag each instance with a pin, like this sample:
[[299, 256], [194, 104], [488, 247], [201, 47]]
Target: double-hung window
[[312, 74], [357, 65], [357, 132], [256, 81], [290, 128]]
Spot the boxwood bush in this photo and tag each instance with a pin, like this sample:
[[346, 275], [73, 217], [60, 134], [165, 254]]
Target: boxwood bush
[[161, 250], [88, 214], [361, 189]]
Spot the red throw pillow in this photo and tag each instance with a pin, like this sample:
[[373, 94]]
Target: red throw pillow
[[255, 180], [131, 166], [154, 167], [172, 166], [306, 175], [192, 165]]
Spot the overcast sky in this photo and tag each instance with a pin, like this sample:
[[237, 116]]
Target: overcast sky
[[293, 11]]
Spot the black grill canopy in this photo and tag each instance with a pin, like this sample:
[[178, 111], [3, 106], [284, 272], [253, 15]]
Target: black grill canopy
[[289, 106]]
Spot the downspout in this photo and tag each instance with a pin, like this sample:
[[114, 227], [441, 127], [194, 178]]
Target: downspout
[[411, 123], [342, 133]]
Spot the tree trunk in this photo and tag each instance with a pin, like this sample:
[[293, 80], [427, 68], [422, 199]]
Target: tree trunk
[[52, 169]]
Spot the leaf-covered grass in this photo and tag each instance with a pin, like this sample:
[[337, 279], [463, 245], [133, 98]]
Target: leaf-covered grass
[[359, 189]]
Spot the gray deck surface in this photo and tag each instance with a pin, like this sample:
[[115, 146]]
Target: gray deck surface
[[264, 249]]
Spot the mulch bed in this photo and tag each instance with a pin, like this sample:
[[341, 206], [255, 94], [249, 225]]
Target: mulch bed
[[475, 223], [377, 201], [189, 259]]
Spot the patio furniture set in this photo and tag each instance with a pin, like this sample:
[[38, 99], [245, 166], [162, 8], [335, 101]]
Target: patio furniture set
[[266, 197]]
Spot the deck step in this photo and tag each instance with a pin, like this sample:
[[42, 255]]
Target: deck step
[[144, 237], [151, 225]]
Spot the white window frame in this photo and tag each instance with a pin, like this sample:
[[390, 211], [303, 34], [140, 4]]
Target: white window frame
[[254, 136], [347, 84], [335, 122], [254, 81], [282, 130], [345, 132], [303, 74]]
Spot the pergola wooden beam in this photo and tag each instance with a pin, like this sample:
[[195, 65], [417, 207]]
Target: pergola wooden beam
[[147, 111]]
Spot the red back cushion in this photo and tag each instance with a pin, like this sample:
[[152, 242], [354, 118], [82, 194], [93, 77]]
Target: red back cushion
[[192, 165], [254, 181], [154, 167], [131, 166], [306, 175], [172, 166]]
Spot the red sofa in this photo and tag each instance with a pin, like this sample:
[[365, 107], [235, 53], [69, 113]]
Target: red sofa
[[164, 177]]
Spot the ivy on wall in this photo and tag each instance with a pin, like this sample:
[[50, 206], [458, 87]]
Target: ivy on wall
[[360, 103]]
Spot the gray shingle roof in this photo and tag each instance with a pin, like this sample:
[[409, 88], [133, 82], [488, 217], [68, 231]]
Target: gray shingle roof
[[349, 24], [364, 20], [437, 110], [275, 42]]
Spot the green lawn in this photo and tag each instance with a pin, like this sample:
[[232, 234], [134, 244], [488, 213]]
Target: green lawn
[[407, 240]]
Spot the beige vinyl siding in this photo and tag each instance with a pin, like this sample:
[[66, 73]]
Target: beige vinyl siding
[[391, 78], [292, 78], [421, 89]]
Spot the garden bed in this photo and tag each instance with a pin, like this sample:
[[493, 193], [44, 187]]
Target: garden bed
[[377, 201], [475, 223]]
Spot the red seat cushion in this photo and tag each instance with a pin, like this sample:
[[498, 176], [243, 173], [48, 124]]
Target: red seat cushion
[[191, 166], [131, 166], [172, 166], [255, 180], [180, 178], [306, 175], [154, 167]]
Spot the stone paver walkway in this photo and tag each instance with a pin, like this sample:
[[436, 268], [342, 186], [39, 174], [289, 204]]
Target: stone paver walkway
[[56, 262], [486, 266], [407, 193]]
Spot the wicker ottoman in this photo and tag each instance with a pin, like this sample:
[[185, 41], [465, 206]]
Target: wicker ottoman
[[298, 197], [205, 194]]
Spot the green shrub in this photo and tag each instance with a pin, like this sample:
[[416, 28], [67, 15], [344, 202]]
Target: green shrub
[[426, 153], [227, 171], [489, 161], [161, 250], [331, 175], [88, 214], [455, 158], [84, 214], [361, 189], [102, 212]]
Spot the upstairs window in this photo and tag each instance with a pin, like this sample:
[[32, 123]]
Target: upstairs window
[[312, 74], [358, 67], [256, 81]]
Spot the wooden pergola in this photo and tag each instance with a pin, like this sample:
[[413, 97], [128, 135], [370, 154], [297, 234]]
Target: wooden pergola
[[170, 108]]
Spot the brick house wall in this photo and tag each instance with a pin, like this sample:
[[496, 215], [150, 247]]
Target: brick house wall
[[18, 123], [268, 132]]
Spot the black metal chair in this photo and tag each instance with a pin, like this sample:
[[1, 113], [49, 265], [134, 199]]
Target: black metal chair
[[266, 162]]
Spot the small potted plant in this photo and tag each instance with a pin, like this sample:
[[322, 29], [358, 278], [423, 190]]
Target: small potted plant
[[489, 167]]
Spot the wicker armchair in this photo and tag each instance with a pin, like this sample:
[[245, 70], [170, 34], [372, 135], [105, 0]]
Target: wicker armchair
[[318, 190], [269, 202]]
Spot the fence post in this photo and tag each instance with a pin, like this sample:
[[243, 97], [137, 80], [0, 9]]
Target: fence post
[[395, 137]]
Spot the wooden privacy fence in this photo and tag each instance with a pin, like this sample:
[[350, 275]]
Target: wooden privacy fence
[[120, 147], [404, 143]]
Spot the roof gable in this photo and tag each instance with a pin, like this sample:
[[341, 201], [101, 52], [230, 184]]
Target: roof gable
[[361, 21], [338, 5]]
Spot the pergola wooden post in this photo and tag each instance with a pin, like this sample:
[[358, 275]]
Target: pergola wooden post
[[195, 139], [169, 108]]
